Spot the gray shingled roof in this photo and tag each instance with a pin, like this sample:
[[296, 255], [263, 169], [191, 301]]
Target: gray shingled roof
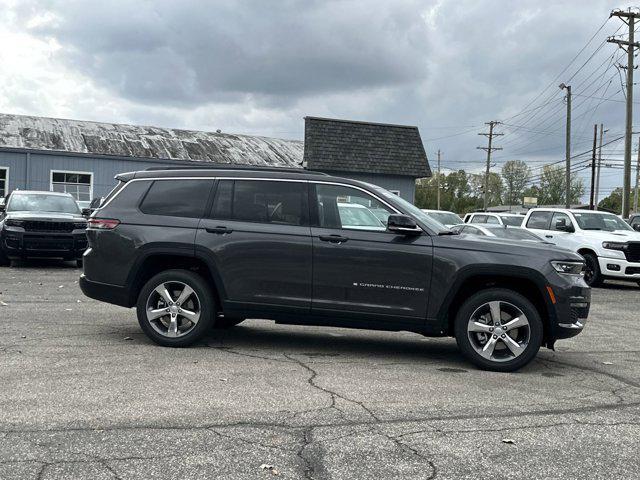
[[349, 146], [53, 134]]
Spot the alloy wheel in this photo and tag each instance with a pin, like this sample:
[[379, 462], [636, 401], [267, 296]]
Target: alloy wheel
[[173, 309], [499, 331]]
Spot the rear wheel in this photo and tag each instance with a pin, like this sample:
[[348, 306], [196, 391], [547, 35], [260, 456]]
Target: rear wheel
[[498, 330], [592, 274], [175, 308], [4, 260]]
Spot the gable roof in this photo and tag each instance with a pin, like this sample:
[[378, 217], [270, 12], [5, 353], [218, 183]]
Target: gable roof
[[93, 138], [350, 146]]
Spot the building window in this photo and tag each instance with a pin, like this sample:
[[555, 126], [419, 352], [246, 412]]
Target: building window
[[78, 184], [4, 181]]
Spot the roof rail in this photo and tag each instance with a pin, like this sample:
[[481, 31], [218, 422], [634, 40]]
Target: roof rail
[[226, 166]]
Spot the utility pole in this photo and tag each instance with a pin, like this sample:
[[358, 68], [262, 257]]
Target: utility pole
[[629, 18], [567, 148], [438, 179], [598, 169], [592, 197], [489, 149], [635, 201]]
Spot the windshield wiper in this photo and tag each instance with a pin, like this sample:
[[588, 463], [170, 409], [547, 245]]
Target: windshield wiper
[[593, 228]]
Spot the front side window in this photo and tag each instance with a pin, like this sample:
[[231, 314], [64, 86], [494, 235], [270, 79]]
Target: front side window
[[4, 180], [261, 201], [78, 184], [539, 220], [42, 202], [558, 219], [350, 208], [177, 198]]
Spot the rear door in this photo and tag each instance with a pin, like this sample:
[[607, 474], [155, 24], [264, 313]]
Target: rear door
[[257, 235], [359, 266]]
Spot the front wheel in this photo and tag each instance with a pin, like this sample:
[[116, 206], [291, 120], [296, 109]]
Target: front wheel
[[592, 273], [499, 330], [175, 308]]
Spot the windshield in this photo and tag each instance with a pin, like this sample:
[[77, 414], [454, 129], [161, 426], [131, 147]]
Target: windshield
[[601, 221], [515, 234], [446, 218], [414, 211], [41, 202], [511, 221]]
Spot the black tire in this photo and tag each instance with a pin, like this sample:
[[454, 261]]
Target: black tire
[[592, 275], [203, 296], [512, 299], [4, 260], [227, 322]]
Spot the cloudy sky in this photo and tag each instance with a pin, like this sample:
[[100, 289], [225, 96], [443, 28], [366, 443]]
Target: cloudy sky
[[258, 67]]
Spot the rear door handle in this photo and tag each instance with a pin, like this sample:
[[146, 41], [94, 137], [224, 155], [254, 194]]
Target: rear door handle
[[220, 230], [333, 238]]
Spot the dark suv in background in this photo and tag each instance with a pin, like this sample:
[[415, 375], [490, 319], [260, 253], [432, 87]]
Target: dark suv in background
[[41, 224], [194, 248]]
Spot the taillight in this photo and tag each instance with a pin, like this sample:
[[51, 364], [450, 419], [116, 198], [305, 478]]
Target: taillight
[[103, 223]]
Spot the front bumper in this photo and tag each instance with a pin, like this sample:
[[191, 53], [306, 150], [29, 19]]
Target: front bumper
[[18, 243], [571, 308], [619, 268]]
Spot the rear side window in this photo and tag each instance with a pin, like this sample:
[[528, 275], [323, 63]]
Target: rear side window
[[493, 220], [177, 198], [479, 219], [260, 201], [539, 220]]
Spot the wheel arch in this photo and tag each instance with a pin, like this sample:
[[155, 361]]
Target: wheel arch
[[156, 261], [527, 282]]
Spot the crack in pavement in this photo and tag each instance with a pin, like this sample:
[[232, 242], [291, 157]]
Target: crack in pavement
[[619, 378]]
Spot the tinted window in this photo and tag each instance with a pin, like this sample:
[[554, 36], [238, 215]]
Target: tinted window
[[511, 221], [350, 208], [177, 198], [479, 219], [539, 220], [259, 201]]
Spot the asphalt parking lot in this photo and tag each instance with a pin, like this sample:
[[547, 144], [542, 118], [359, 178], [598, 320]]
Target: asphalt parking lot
[[84, 394]]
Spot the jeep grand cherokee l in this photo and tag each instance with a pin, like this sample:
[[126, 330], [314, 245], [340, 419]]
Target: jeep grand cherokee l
[[41, 224], [196, 248]]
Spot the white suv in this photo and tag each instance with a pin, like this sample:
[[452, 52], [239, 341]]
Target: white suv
[[505, 219], [610, 247]]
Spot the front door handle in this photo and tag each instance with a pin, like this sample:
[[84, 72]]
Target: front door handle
[[333, 238], [220, 230], [549, 236]]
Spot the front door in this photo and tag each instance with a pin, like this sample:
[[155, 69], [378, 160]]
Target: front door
[[359, 266], [258, 237]]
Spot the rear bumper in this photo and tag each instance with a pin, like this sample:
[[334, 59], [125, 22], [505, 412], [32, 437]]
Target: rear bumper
[[20, 244], [105, 292]]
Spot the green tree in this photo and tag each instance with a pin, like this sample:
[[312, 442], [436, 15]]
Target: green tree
[[552, 186], [516, 175], [496, 188]]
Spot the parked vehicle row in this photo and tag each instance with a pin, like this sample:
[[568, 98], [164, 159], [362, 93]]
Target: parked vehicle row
[[505, 219], [203, 247]]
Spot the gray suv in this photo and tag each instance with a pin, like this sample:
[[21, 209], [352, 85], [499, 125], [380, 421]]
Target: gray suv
[[196, 248]]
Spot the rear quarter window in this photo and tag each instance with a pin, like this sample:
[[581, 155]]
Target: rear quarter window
[[177, 198]]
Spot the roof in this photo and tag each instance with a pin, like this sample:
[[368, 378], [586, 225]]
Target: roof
[[93, 138], [364, 147]]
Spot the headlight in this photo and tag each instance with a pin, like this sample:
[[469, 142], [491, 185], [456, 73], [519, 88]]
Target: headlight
[[568, 267], [79, 224], [14, 223], [614, 246]]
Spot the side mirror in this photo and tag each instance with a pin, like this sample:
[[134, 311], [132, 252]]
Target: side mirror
[[86, 212], [636, 227], [403, 224], [561, 225]]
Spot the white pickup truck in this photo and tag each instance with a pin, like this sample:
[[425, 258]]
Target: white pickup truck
[[610, 247]]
